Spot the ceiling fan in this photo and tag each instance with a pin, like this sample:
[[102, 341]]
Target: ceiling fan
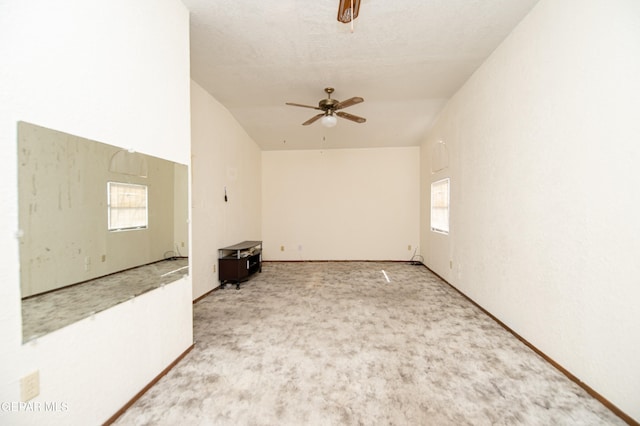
[[330, 108]]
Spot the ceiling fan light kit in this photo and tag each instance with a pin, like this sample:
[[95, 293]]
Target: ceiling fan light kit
[[329, 120], [331, 108]]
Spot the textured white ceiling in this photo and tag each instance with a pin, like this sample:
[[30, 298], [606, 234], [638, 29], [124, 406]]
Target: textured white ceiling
[[405, 58]]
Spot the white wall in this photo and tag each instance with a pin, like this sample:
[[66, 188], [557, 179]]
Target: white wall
[[223, 155], [543, 159], [114, 71], [342, 204], [181, 210]]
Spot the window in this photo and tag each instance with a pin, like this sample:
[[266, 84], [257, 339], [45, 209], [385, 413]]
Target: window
[[127, 206], [440, 206]]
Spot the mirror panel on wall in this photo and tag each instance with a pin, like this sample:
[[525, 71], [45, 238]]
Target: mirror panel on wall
[[72, 264]]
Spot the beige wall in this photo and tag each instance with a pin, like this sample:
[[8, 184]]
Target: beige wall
[[223, 155], [543, 159], [342, 204], [113, 71]]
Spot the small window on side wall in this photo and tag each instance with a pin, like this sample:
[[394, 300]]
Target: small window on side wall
[[127, 206], [440, 206]]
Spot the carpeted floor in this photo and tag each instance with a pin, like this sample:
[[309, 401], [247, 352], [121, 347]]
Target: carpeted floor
[[336, 343]]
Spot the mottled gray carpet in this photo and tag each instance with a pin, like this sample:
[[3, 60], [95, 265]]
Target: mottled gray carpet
[[336, 343]]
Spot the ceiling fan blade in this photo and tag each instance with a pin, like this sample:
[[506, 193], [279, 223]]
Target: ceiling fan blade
[[312, 119], [349, 102], [351, 117], [304, 106]]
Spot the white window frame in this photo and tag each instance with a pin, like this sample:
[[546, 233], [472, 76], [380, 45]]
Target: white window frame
[[440, 205], [120, 222]]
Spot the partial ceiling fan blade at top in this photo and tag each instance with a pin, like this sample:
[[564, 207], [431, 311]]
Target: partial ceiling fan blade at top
[[312, 119], [349, 102], [303, 106], [351, 117]]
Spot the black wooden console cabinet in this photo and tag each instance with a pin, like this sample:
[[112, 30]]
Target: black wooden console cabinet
[[238, 262]]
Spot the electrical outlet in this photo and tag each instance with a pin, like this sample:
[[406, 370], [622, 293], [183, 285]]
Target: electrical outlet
[[281, 248], [409, 247], [451, 264], [104, 257], [87, 263], [182, 244], [299, 247], [30, 386], [214, 268]]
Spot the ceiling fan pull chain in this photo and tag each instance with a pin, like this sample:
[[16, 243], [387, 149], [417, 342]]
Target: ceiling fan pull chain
[[351, 16]]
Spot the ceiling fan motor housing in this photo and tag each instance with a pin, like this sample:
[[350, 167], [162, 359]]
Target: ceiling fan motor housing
[[328, 104]]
